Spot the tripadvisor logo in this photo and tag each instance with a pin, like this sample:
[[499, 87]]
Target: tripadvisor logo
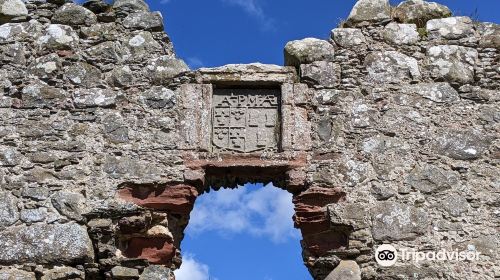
[[387, 255]]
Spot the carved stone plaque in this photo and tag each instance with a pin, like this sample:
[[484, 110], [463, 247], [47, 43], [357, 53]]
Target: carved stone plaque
[[245, 120]]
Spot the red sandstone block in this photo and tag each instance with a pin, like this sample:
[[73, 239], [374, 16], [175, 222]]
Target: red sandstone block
[[177, 199]]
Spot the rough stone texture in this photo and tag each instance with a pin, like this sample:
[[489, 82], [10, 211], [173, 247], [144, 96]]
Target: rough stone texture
[[9, 213], [464, 144], [369, 11], [16, 274], [10, 9], [156, 272], [120, 272], [393, 221], [59, 244], [419, 12], [321, 73], [144, 21], [73, 14], [60, 273], [391, 67], [71, 205], [346, 270], [348, 37], [450, 28], [307, 51], [452, 63], [436, 92], [384, 136], [431, 179], [401, 33]]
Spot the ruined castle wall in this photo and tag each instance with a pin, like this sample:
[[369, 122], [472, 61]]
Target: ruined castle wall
[[386, 133]]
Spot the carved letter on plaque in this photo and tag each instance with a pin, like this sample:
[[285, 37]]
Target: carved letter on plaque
[[245, 120]]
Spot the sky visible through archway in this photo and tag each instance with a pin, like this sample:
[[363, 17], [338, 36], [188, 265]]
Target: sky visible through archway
[[246, 234]]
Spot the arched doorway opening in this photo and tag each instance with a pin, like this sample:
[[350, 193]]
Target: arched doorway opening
[[242, 233]]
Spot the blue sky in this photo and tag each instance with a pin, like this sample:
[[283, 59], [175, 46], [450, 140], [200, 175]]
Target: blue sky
[[245, 234], [217, 32]]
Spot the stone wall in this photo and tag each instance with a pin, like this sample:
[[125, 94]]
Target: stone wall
[[388, 134]]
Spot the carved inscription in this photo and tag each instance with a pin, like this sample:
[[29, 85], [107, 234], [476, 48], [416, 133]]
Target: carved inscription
[[245, 120]]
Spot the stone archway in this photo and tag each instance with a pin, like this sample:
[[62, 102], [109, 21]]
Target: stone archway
[[281, 156]]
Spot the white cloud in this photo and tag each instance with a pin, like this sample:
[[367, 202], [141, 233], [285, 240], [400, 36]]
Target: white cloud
[[265, 212], [194, 62], [191, 269], [253, 8]]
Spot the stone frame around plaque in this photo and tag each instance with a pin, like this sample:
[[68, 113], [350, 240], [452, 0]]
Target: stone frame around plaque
[[197, 102]]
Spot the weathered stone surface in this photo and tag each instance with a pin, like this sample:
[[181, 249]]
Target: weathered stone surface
[[393, 221], [115, 129], [321, 73], [58, 37], [452, 63], [176, 198], [94, 97], [310, 208], [450, 28], [430, 179], [84, 74], [490, 35], [120, 272], [369, 11], [9, 213], [307, 51], [401, 33], [9, 156], [63, 273], [108, 52], [97, 6], [16, 274], [461, 144], [17, 32], [155, 250], [391, 67], [455, 205], [162, 69], [144, 21], [46, 67], [73, 14], [245, 73], [10, 9], [486, 244], [348, 37], [159, 98], [121, 76], [36, 192], [58, 244], [41, 96], [71, 205], [33, 215], [437, 92], [419, 12], [13, 54], [143, 44], [130, 6], [346, 270], [156, 272], [348, 214]]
